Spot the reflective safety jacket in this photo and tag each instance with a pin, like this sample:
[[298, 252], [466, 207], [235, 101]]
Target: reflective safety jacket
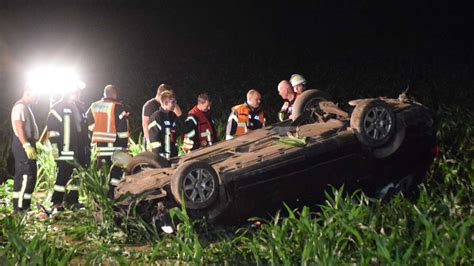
[[199, 130], [243, 119], [162, 132], [67, 131], [107, 121], [286, 109]]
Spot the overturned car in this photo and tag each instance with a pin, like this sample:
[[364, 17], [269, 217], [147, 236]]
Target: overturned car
[[379, 145]]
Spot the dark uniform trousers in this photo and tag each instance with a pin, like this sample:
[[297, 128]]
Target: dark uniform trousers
[[64, 190], [104, 158], [25, 176]]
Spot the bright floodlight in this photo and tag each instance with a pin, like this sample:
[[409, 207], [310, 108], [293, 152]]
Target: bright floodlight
[[54, 80]]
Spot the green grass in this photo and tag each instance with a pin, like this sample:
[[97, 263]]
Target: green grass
[[46, 172], [433, 228]]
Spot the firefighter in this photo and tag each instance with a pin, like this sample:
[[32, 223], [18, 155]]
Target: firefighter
[[163, 127], [199, 128], [67, 132], [245, 117], [288, 95], [152, 106], [24, 150], [107, 121], [299, 83]]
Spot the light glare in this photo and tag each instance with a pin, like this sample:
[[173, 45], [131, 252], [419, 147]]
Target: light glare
[[54, 80]]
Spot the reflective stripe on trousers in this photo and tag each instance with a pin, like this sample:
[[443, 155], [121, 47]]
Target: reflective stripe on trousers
[[21, 195]]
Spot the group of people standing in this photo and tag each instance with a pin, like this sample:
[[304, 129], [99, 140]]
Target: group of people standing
[[74, 132]]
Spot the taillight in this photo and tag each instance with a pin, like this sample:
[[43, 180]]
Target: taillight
[[435, 151]]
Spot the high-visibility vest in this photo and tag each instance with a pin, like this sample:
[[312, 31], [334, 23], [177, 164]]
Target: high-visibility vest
[[104, 129], [67, 130], [242, 112], [162, 130], [205, 130]]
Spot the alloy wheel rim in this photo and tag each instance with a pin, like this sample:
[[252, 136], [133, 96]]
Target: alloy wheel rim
[[378, 123], [198, 185]]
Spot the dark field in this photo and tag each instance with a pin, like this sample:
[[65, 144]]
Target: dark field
[[350, 54], [434, 227]]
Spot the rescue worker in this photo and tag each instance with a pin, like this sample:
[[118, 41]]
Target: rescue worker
[[288, 95], [163, 126], [152, 106], [24, 150], [298, 82], [199, 128], [245, 117], [67, 132], [107, 121]]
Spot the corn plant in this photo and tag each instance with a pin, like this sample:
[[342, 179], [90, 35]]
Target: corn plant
[[186, 244], [135, 148], [94, 185], [47, 170], [433, 228], [6, 204], [37, 250]]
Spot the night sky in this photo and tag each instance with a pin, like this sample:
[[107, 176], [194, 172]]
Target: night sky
[[227, 47]]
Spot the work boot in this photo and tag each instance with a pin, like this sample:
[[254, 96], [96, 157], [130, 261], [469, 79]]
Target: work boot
[[57, 208], [76, 206]]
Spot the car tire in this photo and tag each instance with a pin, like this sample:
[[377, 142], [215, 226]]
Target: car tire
[[393, 144], [197, 183], [146, 160], [307, 101], [373, 122]]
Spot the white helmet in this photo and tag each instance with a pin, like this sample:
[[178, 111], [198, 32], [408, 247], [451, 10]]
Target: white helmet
[[297, 79]]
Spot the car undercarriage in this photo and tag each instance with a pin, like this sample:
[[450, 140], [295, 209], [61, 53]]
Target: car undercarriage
[[380, 145]]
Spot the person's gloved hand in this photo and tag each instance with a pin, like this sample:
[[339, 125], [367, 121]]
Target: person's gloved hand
[[55, 151], [30, 151], [149, 147]]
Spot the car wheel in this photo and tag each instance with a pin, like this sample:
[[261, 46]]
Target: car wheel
[[308, 102], [373, 122], [146, 160], [393, 144], [196, 183]]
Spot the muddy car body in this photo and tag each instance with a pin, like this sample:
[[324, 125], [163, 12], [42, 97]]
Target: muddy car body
[[378, 145]]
